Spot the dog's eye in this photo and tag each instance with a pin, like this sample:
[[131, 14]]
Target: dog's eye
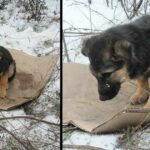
[[106, 75], [115, 58]]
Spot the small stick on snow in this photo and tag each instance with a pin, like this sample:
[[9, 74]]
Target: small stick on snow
[[83, 147]]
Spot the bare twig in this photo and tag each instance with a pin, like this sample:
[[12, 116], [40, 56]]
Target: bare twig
[[65, 47], [84, 33], [81, 147], [89, 1], [145, 6], [79, 29], [123, 6], [70, 129], [92, 10], [16, 138], [31, 118], [135, 6], [107, 2]]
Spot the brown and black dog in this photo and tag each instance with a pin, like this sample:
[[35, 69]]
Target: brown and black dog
[[7, 70], [119, 53]]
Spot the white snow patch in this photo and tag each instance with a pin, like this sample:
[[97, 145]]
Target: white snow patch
[[107, 142]]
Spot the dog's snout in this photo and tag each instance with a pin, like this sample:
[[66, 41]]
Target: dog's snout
[[103, 97], [108, 90]]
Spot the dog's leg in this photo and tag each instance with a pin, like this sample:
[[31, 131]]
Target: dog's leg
[[3, 85], [147, 104], [141, 95]]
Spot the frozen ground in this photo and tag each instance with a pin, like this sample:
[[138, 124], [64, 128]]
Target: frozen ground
[[35, 38], [77, 24], [107, 142]]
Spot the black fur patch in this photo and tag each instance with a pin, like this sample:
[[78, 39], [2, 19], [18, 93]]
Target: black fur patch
[[5, 61]]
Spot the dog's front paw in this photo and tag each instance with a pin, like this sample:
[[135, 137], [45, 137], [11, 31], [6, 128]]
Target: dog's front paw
[[3, 94], [139, 98]]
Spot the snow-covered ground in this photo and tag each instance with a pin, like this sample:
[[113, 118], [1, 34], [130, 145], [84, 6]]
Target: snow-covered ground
[[30, 36], [76, 24], [107, 142], [34, 38]]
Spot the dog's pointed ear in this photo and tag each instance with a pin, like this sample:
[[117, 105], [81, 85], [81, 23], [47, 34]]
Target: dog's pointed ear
[[85, 46], [124, 49]]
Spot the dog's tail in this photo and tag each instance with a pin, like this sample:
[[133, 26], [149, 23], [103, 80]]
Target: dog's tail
[[12, 71]]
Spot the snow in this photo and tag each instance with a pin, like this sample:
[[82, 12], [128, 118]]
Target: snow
[[34, 38], [103, 141], [18, 33]]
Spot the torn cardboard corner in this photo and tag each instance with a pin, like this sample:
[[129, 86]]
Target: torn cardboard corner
[[32, 75], [82, 107]]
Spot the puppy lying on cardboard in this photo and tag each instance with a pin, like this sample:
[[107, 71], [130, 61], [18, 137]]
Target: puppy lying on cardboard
[[7, 70]]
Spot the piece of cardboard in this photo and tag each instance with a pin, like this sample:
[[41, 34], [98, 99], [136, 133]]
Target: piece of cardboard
[[32, 75], [82, 107]]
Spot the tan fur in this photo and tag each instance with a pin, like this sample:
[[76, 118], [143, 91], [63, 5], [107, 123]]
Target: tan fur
[[120, 46], [3, 85], [119, 75], [141, 94]]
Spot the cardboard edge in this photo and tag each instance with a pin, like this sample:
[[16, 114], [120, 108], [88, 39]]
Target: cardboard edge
[[103, 128], [126, 118], [74, 123], [50, 71], [15, 105]]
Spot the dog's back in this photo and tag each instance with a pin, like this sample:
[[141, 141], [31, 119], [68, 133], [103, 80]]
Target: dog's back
[[143, 22]]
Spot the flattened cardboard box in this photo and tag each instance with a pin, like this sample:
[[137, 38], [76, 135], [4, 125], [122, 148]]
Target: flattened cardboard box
[[82, 107], [32, 75]]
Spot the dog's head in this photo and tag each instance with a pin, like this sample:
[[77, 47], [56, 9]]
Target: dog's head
[[108, 58]]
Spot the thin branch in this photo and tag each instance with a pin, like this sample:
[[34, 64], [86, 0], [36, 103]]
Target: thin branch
[[145, 6], [16, 138], [112, 4], [92, 10], [139, 5], [90, 14], [107, 2], [31, 118], [65, 47], [79, 29], [123, 6], [135, 6], [69, 129], [86, 33], [81, 147], [135, 9]]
